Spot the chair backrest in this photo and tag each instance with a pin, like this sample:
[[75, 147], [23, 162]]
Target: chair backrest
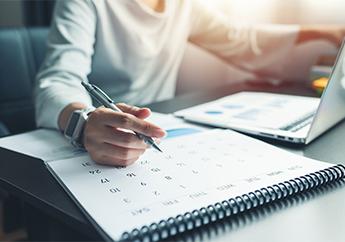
[[21, 53]]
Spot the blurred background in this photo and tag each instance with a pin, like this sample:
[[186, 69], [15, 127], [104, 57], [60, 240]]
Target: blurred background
[[38, 12], [283, 12], [33, 13], [17, 13]]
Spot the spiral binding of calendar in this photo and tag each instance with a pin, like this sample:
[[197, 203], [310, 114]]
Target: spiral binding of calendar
[[232, 206]]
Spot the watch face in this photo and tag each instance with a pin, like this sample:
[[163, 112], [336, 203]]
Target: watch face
[[71, 125]]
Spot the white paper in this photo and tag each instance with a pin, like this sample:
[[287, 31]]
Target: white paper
[[194, 171], [252, 109], [42, 143]]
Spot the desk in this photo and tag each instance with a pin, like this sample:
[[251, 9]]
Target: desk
[[312, 217]]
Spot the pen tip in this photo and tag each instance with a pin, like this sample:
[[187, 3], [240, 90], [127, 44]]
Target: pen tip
[[156, 147]]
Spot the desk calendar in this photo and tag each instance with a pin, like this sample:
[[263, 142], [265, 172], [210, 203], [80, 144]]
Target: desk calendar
[[201, 177]]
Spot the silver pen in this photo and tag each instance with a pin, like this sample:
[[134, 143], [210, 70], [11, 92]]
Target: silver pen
[[105, 100]]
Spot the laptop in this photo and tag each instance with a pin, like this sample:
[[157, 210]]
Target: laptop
[[290, 118]]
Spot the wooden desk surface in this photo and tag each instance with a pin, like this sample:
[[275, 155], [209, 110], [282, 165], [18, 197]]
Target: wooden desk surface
[[316, 216]]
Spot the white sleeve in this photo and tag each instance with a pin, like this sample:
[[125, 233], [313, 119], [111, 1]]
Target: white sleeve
[[252, 48], [68, 61]]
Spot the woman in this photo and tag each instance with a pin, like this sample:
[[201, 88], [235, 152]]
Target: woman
[[133, 49]]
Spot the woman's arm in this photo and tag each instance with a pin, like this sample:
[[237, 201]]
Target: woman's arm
[[252, 47], [59, 91], [67, 62]]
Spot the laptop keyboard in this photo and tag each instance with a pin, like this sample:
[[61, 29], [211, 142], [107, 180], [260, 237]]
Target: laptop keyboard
[[299, 124]]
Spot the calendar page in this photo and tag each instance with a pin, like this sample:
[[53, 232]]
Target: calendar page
[[194, 171]]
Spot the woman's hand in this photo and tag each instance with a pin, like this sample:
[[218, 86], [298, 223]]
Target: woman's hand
[[332, 33], [108, 137]]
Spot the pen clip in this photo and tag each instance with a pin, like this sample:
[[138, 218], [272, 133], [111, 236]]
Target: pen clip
[[102, 93]]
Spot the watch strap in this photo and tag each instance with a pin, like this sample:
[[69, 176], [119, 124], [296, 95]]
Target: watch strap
[[75, 126]]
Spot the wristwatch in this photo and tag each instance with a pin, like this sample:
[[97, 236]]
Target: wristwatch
[[75, 126]]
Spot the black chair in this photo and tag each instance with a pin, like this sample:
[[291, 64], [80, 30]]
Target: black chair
[[21, 52]]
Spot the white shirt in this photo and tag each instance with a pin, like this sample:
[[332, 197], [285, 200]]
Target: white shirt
[[134, 53]]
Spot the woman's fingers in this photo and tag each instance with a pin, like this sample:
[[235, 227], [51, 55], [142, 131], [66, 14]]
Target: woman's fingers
[[120, 138], [141, 113], [334, 34], [108, 154], [129, 122], [109, 136]]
